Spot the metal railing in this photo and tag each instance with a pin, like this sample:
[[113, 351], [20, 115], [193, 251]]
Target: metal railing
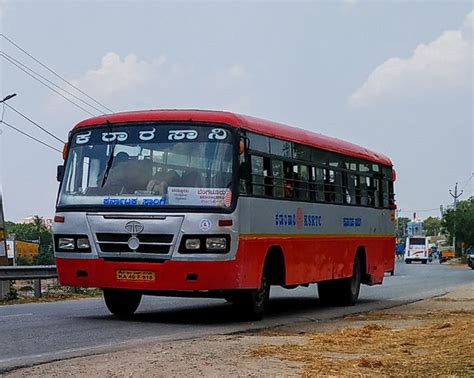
[[34, 272]]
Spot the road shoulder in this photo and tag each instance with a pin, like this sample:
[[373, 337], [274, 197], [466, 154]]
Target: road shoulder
[[432, 335]]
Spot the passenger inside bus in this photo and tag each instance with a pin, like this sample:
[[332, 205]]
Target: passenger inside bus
[[192, 178], [162, 180]]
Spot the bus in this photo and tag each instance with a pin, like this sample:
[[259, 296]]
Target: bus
[[216, 204], [416, 249]]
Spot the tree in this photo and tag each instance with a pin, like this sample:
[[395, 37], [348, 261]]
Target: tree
[[37, 232], [460, 222], [402, 227], [432, 226]]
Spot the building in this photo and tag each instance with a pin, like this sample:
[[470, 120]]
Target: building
[[47, 222]]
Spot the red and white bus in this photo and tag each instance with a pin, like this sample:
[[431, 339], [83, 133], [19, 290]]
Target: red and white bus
[[207, 203]]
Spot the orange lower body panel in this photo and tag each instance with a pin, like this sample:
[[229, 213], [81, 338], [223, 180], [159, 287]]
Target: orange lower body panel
[[306, 260]]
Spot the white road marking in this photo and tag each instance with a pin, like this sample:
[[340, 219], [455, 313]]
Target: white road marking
[[15, 315]]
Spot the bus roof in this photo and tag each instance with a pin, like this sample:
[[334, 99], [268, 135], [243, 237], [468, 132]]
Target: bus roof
[[269, 128]]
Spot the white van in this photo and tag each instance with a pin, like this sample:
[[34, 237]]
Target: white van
[[416, 249]]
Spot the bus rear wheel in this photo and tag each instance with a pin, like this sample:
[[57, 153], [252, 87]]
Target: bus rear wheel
[[342, 292], [122, 303]]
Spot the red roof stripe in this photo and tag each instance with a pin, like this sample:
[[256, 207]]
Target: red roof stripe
[[269, 128]]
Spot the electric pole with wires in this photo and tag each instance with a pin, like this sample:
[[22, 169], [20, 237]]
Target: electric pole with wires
[[455, 196]]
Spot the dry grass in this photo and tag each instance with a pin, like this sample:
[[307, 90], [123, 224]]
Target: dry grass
[[51, 296], [440, 348]]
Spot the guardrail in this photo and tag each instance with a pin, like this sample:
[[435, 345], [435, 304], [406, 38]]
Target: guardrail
[[34, 272]]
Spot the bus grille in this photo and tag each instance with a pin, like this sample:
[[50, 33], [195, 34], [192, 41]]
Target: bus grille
[[149, 243]]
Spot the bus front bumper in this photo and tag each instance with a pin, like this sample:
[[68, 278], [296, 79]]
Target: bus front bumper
[[168, 275]]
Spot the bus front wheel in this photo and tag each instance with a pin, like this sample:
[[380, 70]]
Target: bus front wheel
[[342, 292], [122, 303], [252, 303]]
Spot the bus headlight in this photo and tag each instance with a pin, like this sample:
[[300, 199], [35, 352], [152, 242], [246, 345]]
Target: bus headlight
[[193, 244], [201, 243], [72, 243], [213, 244], [66, 243], [83, 243]]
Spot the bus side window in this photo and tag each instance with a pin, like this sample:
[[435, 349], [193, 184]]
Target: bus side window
[[320, 184], [348, 188], [363, 190], [288, 182], [267, 179], [377, 192], [329, 185], [391, 195], [277, 173], [356, 180], [370, 191], [312, 183], [258, 185], [244, 183], [304, 184], [385, 193], [338, 195]]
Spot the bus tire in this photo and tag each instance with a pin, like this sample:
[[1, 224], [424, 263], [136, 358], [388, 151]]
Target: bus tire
[[343, 292], [407, 261], [253, 303], [424, 261], [122, 303]]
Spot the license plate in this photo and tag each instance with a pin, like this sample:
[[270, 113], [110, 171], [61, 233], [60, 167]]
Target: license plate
[[135, 275]]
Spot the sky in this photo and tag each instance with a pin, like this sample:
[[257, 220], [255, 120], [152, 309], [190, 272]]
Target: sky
[[395, 77]]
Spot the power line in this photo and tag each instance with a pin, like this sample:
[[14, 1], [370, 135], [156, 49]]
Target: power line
[[419, 211], [54, 73], [34, 123], [49, 81], [29, 136], [46, 85], [467, 182]]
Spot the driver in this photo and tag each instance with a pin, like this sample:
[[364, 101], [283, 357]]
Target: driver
[[162, 180]]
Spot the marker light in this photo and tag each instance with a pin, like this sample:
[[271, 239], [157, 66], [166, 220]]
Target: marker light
[[225, 222], [59, 219], [65, 149]]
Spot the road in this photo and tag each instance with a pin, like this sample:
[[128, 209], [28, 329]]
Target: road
[[34, 333]]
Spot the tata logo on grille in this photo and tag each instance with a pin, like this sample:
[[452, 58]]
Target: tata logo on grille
[[134, 227]]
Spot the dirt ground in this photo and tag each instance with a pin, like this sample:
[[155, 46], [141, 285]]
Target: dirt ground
[[428, 338]]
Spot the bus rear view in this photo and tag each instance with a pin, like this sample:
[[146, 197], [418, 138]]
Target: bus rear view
[[416, 249]]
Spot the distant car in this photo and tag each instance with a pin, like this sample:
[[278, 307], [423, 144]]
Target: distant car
[[470, 257]]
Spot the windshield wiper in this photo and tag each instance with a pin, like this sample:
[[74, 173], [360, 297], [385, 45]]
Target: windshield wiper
[[110, 159]]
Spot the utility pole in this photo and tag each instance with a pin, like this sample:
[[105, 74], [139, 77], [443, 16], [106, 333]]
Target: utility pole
[[455, 197]]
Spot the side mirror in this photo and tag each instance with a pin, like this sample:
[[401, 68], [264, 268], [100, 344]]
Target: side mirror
[[60, 173]]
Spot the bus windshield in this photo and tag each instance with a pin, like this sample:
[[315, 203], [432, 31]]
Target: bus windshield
[[149, 165]]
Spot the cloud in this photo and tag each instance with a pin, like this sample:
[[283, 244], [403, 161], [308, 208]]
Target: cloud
[[117, 75], [444, 64], [128, 82]]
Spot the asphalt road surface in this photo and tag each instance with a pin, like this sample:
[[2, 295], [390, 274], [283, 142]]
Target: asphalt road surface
[[35, 333]]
